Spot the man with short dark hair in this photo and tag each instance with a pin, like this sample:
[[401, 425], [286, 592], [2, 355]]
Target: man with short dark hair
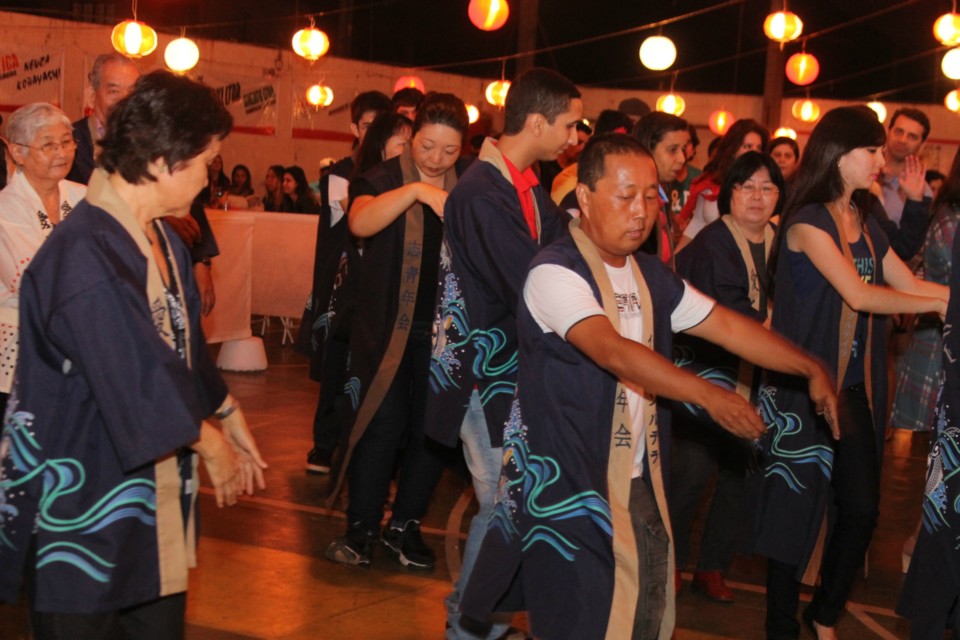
[[906, 198], [495, 220], [580, 535], [407, 101], [335, 253]]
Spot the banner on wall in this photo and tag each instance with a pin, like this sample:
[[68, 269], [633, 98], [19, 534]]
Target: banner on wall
[[251, 101], [30, 75]]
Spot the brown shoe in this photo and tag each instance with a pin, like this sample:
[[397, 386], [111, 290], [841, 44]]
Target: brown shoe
[[711, 584]]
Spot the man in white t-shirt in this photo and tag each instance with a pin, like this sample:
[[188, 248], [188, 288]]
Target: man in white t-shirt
[[580, 537]]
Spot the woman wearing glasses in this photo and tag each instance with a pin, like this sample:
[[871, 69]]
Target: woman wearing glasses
[[836, 281], [727, 261], [40, 139]]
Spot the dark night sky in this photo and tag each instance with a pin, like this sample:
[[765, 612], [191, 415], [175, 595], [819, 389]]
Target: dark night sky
[[432, 32]]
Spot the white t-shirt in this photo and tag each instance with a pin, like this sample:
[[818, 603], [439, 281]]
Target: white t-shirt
[[558, 298], [337, 191]]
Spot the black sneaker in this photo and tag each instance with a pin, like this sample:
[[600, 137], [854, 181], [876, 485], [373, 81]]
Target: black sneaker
[[354, 549], [318, 461], [406, 542]]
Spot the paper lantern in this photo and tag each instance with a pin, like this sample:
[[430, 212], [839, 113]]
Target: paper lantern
[[947, 29], [409, 82], [134, 39], [952, 101], [671, 103], [473, 114], [783, 26], [951, 64], [181, 55], [496, 92], [657, 53], [802, 68], [719, 121], [880, 109], [310, 43], [488, 15], [320, 95], [785, 132], [806, 110]]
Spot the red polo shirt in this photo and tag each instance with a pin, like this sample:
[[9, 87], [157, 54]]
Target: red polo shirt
[[524, 182]]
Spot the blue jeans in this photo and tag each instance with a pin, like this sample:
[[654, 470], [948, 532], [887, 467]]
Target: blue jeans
[[484, 462]]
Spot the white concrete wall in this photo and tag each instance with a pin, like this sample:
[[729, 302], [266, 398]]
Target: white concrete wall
[[83, 42]]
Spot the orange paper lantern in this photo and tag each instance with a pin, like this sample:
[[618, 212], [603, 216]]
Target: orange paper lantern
[[409, 82], [947, 29], [320, 95], [802, 68], [671, 103], [806, 110], [952, 101], [473, 114], [134, 39], [785, 132], [783, 26], [496, 92], [719, 121], [488, 15], [310, 43]]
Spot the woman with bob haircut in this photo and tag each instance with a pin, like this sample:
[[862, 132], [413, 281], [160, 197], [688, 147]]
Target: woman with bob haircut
[[728, 262], [38, 197], [397, 208], [701, 206], [114, 387], [836, 281]]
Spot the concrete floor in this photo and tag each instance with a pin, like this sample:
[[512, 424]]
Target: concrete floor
[[262, 573]]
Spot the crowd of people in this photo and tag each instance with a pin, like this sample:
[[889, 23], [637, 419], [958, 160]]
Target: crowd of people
[[731, 322]]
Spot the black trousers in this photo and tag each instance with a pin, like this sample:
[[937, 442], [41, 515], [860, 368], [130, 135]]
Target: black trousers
[[856, 498], [161, 619], [328, 419], [397, 429]]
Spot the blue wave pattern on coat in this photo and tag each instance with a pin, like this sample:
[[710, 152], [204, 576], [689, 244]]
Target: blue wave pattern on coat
[[724, 377], [454, 336], [943, 464], [782, 458], [524, 479], [135, 498]]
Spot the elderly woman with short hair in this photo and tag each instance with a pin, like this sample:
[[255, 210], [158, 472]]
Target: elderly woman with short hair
[[98, 479], [40, 140]]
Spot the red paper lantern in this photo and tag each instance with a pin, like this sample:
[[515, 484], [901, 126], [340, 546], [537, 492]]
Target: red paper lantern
[[802, 68], [488, 15], [720, 120], [409, 82]]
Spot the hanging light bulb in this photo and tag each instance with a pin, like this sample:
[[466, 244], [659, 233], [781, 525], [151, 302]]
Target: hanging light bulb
[[802, 68], [473, 114], [951, 64], [671, 103], [952, 101], [320, 95], [947, 29], [880, 109], [496, 92], [310, 43], [488, 15], [409, 82], [785, 132], [806, 110], [134, 39], [657, 53], [783, 26], [181, 54], [719, 121]]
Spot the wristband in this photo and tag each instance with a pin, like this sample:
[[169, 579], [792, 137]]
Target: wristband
[[226, 413]]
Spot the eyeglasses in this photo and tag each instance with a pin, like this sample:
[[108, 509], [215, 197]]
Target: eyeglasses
[[50, 148], [750, 190]]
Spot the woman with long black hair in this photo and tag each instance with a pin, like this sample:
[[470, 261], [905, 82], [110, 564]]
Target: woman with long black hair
[[836, 280]]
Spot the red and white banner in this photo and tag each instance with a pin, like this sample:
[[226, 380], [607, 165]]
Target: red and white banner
[[30, 75]]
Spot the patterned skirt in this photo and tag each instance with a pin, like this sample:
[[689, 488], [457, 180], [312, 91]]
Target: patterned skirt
[[918, 379]]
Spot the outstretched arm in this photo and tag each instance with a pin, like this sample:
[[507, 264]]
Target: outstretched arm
[[635, 364]]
